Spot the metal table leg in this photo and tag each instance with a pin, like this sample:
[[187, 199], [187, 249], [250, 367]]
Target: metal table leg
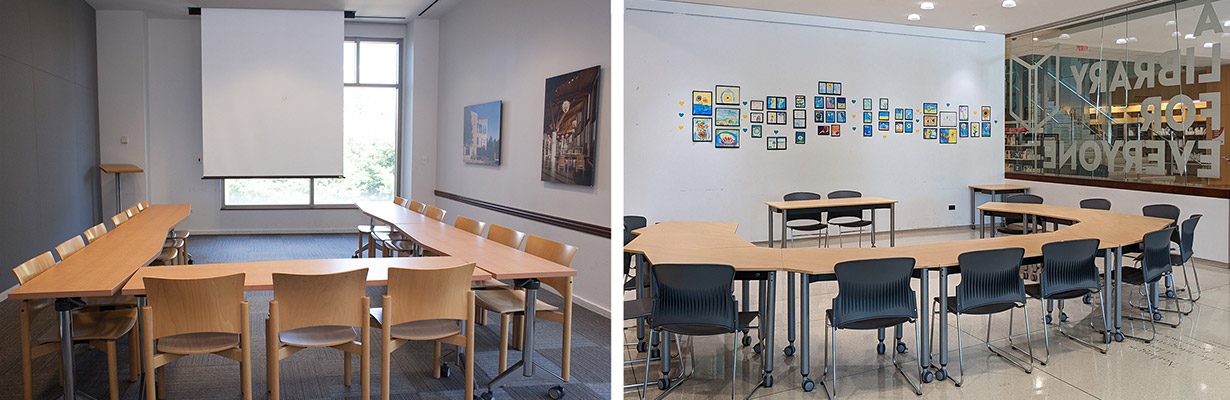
[[1106, 290], [117, 193], [805, 331], [972, 192], [873, 228], [1118, 311], [770, 226], [892, 225], [943, 372], [641, 270], [64, 309], [790, 321], [924, 353], [767, 330], [526, 364]]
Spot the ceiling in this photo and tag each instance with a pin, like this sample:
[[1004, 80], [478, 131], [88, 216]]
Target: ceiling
[[952, 14], [379, 8], [1139, 35]]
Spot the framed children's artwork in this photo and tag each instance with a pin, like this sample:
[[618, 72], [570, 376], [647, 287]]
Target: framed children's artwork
[[884, 103], [702, 103], [726, 138], [702, 129], [819, 102], [963, 112], [883, 126], [757, 131], [800, 123], [986, 113], [830, 116], [908, 114], [930, 133], [898, 113], [800, 101], [931, 108], [930, 121], [963, 130], [776, 117], [834, 130], [867, 130], [948, 119], [841, 117], [841, 103], [822, 130], [867, 103], [800, 137], [830, 103], [771, 117], [899, 127], [909, 126], [867, 117], [725, 116], [975, 129], [756, 117], [948, 135], [775, 142], [775, 103], [986, 129], [757, 105], [884, 115], [819, 116], [726, 95], [800, 114]]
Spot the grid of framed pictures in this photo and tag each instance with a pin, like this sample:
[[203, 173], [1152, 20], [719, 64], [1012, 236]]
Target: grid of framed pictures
[[775, 142], [829, 88]]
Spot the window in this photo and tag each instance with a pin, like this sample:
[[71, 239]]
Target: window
[[372, 123]]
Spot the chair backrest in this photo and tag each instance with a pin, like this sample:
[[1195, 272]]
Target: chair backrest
[[853, 212], [551, 250], [792, 215], [70, 246], [631, 223], [34, 267], [401, 201], [1096, 204], [470, 225], [694, 295], [131, 211], [417, 206], [427, 294], [180, 306], [321, 300], [1187, 234], [118, 219], [1026, 198], [1068, 266], [95, 232], [990, 280], [1155, 249], [874, 290], [142, 205], [435, 213], [1167, 211], [508, 237]]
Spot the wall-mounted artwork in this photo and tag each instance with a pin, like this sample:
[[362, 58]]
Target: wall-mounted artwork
[[726, 138], [822, 130], [800, 123], [884, 103], [908, 114], [867, 130], [800, 137], [570, 128], [775, 102], [930, 121], [963, 112], [909, 126], [883, 126], [975, 129], [800, 101], [819, 116], [841, 103], [702, 102], [775, 117], [726, 95], [867, 118], [931, 108], [757, 131], [963, 129], [986, 113], [841, 117], [702, 129], [948, 119], [800, 114], [830, 116], [834, 130], [756, 117], [883, 116], [819, 102], [899, 127], [831, 88], [830, 103], [724, 116], [757, 105], [867, 105], [480, 142], [930, 133], [948, 135], [775, 142], [898, 113], [986, 129]]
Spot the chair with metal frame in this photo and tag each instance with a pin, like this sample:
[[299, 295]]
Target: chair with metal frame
[[805, 220], [1187, 238], [1014, 224], [1153, 265], [1095, 204], [693, 300], [1068, 272], [851, 218]]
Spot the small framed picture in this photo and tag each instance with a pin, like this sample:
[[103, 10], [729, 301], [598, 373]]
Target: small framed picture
[[776, 143], [975, 129], [986, 129], [883, 126], [757, 131], [841, 103], [835, 130], [963, 112], [884, 116], [819, 116], [702, 103], [930, 121], [909, 126], [884, 103], [800, 123], [800, 114], [867, 103], [867, 130], [725, 116], [930, 133], [841, 117], [837, 88], [909, 114], [819, 103], [830, 116], [775, 103], [702, 129], [898, 113], [948, 135], [757, 105], [986, 113], [800, 137], [771, 117], [948, 119], [830, 103], [931, 108], [899, 127], [726, 95], [867, 118], [800, 101], [756, 117], [822, 130], [963, 129], [725, 138]]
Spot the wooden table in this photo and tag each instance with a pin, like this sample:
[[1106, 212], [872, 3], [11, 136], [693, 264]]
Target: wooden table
[[118, 169], [100, 269], [991, 189], [860, 203]]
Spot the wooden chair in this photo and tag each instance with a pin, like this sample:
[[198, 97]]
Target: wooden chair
[[417, 206], [511, 303], [119, 219], [401, 201], [470, 225], [427, 305], [142, 205], [195, 316], [132, 211], [176, 239], [508, 237], [95, 232], [70, 246], [310, 311], [435, 213], [168, 255], [97, 327]]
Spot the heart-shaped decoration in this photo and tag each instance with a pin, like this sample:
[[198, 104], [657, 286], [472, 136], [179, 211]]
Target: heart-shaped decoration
[[681, 127], [745, 103], [681, 102], [681, 114], [776, 131], [745, 129]]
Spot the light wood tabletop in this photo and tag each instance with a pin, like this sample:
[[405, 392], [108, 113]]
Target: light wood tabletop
[[390, 213], [103, 266], [503, 262], [259, 275], [999, 187], [826, 203], [674, 235], [120, 168]]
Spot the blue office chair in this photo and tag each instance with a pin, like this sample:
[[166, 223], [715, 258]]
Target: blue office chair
[[1153, 265], [1068, 272], [847, 218]]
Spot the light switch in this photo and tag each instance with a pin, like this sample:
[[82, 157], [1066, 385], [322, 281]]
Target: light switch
[[123, 139]]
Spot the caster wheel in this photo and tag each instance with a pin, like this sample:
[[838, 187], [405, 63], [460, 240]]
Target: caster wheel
[[640, 347], [655, 353], [768, 381], [928, 376], [445, 371], [1118, 336], [747, 340], [556, 392], [1063, 317], [664, 384], [190, 261], [808, 385], [941, 374], [1170, 293], [880, 348], [757, 348], [1087, 299], [486, 396], [901, 348], [789, 350], [826, 371], [1048, 319], [1157, 316], [354, 256]]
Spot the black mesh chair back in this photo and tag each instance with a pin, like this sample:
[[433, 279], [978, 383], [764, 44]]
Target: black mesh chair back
[[1187, 234], [1025, 198], [1068, 269], [1155, 260], [990, 281], [694, 299], [845, 213], [874, 294], [792, 215], [1096, 204], [631, 223], [1167, 211]]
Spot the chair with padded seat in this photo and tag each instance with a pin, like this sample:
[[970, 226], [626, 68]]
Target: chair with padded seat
[[433, 305], [1153, 265], [186, 317], [1015, 224], [805, 220], [631, 223], [96, 326], [693, 300], [1068, 272], [851, 218], [319, 311]]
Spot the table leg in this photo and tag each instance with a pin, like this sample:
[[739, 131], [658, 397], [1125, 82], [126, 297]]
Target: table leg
[[526, 364], [790, 321], [944, 322], [892, 225], [1118, 311], [982, 225], [141, 302], [805, 330], [767, 325], [770, 226], [641, 270], [64, 309], [783, 244], [873, 228], [971, 207], [117, 193], [924, 353], [1106, 285]]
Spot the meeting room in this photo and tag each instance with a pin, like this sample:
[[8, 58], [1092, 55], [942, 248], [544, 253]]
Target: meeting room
[[215, 199], [940, 199]]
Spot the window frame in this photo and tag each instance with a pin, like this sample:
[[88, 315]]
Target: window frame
[[397, 168]]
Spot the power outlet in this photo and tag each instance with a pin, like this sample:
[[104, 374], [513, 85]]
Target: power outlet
[[952, 207]]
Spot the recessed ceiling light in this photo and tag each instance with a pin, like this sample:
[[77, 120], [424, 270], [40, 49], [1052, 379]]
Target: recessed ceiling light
[[913, 17], [980, 28], [1227, 23], [1174, 34], [1009, 3], [1132, 39], [926, 5], [1170, 23], [1120, 41], [1065, 36], [1208, 45], [1189, 36]]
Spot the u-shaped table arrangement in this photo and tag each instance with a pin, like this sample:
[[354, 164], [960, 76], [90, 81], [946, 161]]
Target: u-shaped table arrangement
[[689, 242]]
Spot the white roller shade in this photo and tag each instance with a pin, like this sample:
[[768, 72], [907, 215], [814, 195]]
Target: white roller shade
[[271, 93]]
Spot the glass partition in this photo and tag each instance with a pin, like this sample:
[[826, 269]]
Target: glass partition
[[1132, 96]]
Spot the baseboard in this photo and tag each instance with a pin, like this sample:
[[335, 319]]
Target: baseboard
[[5, 294], [589, 305], [269, 231]]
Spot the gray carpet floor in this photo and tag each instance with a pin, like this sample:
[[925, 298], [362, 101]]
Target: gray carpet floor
[[317, 373]]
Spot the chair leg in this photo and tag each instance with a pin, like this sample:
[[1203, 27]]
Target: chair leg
[[161, 372], [504, 321], [734, 363], [385, 375], [272, 366], [134, 355], [347, 370], [435, 359], [113, 381]]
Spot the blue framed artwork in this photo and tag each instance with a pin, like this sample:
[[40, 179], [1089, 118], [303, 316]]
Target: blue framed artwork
[[931, 108], [964, 129], [726, 138], [481, 137], [986, 129], [819, 102], [723, 116], [948, 135], [909, 113], [883, 126], [800, 137], [898, 114], [841, 117], [909, 126], [841, 103], [867, 130], [930, 133], [884, 116], [867, 118], [702, 102]]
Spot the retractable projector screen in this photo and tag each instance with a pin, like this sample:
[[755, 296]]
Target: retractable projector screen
[[271, 93]]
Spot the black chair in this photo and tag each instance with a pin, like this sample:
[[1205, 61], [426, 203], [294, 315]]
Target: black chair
[[1068, 272], [991, 283], [805, 220], [1187, 236], [871, 294], [631, 223], [1153, 265], [634, 310], [847, 218], [1014, 224], [694, 300], [1164, 211], [1096, 204]]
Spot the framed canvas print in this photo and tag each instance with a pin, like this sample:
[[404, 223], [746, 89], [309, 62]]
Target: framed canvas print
[[909, 126], [726, 95], [931, 108], [883, 126], [724, 116], [963, 112], [841, 117], [986, 129], [830, 103], [963, 129], [819, 102], [757, 131], [834, 130], [480, 141], [570, 128], [756, 105], [948, 119], [930, 121], [776, 142], [867, 103], [883, 116], [909, 113], [800, 123], [930, 133], [822, 130], [866, 130], [775, 103], [867, 118], [948, 135], [800, 101], [986, 113], [726, 138], [756, 117], [702, 102], [884, 103], [702, 129], [841, 103], [800, 137]]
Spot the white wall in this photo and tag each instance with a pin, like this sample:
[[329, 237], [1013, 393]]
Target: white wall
[[674, 48], [1211, 238], [504, 50], [419, 142], [122, 103]]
